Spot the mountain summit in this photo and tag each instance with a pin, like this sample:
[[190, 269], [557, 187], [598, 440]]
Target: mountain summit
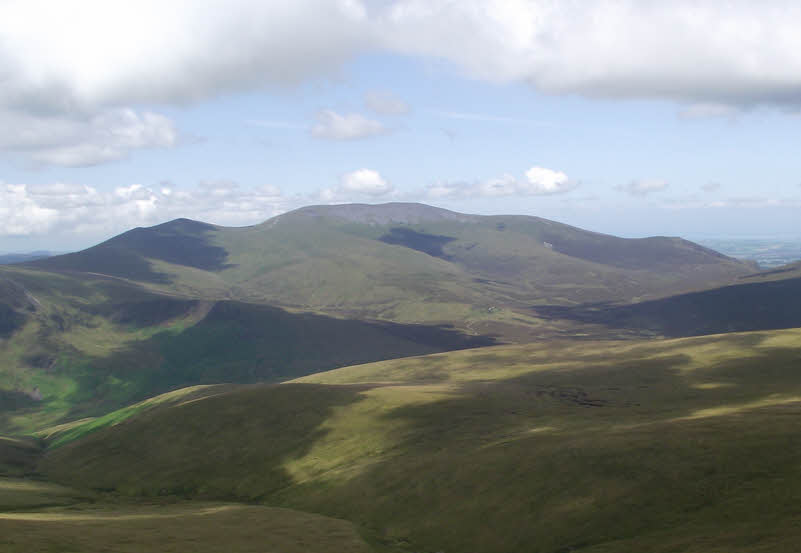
[[403, 262]]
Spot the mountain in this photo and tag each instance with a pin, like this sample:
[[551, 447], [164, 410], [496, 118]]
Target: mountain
[[404, 263], [308, 367], [681, 445], [186, 303]]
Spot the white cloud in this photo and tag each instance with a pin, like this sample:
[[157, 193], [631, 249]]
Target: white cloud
[[701, 52], [59, 55], [643, 187], [366, 181], [83, 139], [358, 185], [92, 53], [385, 103], [46, 209], [542, 181], [539, 181], [351, 126]]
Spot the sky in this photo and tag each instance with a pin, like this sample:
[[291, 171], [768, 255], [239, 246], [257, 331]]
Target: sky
[[634, 118]]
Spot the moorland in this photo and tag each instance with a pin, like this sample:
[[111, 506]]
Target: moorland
[[398, 378]]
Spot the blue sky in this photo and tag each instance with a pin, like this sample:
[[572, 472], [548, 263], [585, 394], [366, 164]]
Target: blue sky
[[621, 117]]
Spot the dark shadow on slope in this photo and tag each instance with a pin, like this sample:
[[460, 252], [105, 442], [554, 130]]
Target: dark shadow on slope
[[244, 343], [150, 312], [782, 270], [556, 460], [14, 305], [632, 253], [18, 457], [10, 320], [231, 446], [744, 307], [11, 400], [427, 243], [180, 242]]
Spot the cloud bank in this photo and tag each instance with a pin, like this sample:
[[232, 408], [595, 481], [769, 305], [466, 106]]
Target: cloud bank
[[39, 209], [82, 80], [93, 52]]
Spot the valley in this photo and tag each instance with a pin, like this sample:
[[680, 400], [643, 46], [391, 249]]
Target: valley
[[397, 378]]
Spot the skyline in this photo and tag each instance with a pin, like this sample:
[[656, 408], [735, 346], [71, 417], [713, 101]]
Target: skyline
[[628, 118]]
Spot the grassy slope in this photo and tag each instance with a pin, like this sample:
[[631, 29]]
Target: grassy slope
[[760, 303], [682, 445], [91, 344], [37, 516], [337, 259]]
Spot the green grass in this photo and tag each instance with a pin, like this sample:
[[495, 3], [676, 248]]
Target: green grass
[[341, 265], [680, 445], [17, 494], [64, 433], [92, 345], [176, 527]]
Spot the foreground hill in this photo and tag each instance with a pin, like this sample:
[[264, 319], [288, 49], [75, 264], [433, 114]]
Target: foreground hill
[[683, 445], [73, 346], [41, 517], [403, 262]]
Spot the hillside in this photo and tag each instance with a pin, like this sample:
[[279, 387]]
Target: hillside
[[74, 346], [765, 301], [682, 445], [187, 303], [402, 262]]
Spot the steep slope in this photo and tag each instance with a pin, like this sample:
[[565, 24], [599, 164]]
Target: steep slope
[[683, 445], [181, 242], [768, 303], [80, 345]]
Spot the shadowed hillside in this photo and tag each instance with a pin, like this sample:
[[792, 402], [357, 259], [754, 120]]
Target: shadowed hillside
[[71, 347], [752, 306], [182, 241]]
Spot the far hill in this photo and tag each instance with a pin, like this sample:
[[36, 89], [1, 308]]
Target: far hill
[[9, 258], [403, 262]]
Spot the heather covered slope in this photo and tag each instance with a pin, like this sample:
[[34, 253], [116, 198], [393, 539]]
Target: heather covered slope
[[681, 445]]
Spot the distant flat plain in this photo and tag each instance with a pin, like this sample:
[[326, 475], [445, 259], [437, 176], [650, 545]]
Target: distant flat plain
[[767, 252]]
